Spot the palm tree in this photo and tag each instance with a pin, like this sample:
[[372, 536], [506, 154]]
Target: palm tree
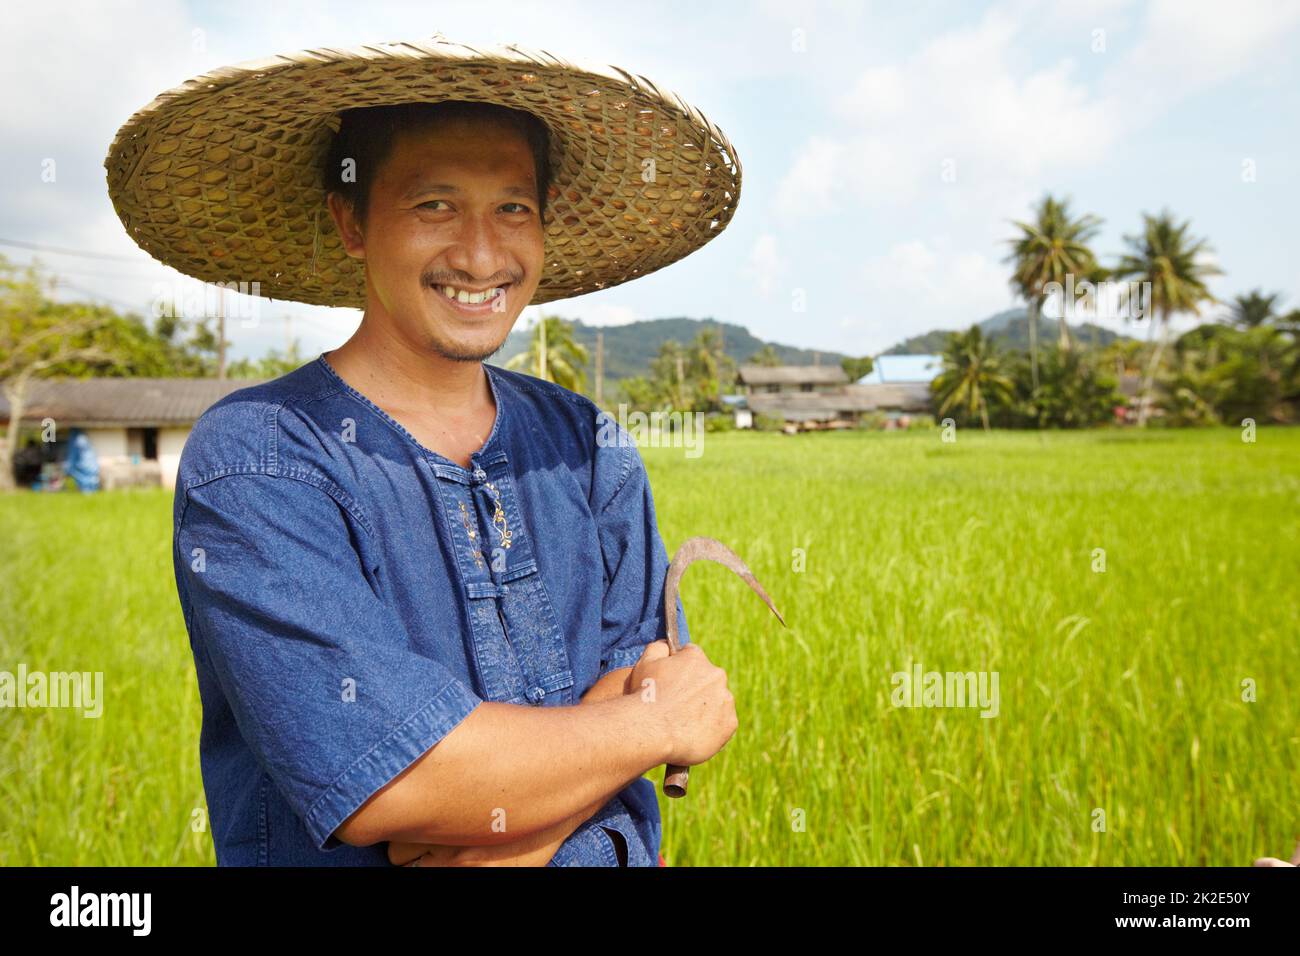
[[553, 354], [1174, 265], [669, 375], [1125, 355], [765, 356], [1047, 250], [710, 366], [972, 374], [1253, 309]]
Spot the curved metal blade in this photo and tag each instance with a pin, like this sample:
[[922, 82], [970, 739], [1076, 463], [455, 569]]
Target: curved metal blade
[[708, 549]]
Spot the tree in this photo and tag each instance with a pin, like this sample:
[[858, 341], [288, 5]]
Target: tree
[[1074, 391], [972, 375], [1222, 374], [40, 338], [766, 356], [642, 394], [1253, 308], [1048, 250], [1125, 355], [708, 367], [1173, 264], [271, 365], [855, 368], [669, 376], [553, 354]]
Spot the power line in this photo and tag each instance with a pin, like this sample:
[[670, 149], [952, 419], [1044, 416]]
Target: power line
[[57, 271], [117, 303], [63, 251]]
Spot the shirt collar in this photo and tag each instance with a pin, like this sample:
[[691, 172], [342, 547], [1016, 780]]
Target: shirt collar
[[491, 453]]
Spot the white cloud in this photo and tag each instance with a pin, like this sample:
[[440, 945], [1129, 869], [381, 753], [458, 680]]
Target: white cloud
[[584, 307], [878, 93], [1191, 45], [917, 285], [958, 104], [766, 265], [809, 186]]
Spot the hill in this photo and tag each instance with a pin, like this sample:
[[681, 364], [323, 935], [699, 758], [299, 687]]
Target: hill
[[1008, 330], [629, 348]]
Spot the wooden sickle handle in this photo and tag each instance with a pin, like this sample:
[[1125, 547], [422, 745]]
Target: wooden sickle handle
[[675, 780]]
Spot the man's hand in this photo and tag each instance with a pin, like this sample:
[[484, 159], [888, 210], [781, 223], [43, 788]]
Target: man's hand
[[534, 850], [652, 652], [1274, 861], [691, 698]]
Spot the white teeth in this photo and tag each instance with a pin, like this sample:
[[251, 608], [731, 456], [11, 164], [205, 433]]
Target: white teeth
[[469, 298]]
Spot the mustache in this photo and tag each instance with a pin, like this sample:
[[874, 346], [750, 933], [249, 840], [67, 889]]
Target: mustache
[[460, 279]]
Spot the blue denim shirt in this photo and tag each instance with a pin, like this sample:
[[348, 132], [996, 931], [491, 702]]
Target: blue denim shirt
[[352, 596]]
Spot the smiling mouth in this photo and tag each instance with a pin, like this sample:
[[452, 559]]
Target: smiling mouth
[[470, 301]]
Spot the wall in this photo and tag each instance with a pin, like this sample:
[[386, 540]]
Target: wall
[[170, 443], [107, 442]]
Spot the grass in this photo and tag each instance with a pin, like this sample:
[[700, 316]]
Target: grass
[[1120, 690]]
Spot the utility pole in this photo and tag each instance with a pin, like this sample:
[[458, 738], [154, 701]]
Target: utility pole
[[722, 359], [541, 365], [221, 332]]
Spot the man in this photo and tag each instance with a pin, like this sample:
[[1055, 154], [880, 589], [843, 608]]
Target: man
[[424, 594]]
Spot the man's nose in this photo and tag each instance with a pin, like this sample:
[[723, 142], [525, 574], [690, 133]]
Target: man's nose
[[478, 249]]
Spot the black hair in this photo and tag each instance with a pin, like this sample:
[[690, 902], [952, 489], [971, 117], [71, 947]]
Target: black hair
[[366, 135]]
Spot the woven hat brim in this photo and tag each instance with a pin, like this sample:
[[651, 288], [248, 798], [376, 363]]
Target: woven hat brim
[[220, 177]]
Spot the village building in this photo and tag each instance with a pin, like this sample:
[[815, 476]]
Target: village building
[[137, 426], [821, 397], [899, 386]]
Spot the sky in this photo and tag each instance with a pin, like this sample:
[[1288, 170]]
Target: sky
[[886, 147]]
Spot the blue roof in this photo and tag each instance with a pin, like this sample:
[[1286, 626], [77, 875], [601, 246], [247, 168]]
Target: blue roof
[[893, 369]]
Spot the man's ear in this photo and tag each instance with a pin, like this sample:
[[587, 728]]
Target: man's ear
[[346, 223]]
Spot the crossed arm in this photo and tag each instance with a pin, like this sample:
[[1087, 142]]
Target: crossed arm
[[537, 848]]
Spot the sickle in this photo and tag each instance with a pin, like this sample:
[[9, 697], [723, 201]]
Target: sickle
[[691, 550]]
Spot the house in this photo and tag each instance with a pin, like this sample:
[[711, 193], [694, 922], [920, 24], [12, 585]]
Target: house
[[806, 397], [899, 385], [1130, 387], [137, 426]]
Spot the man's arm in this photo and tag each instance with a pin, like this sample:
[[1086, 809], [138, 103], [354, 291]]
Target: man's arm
[[536, 850], [508, 788], [610, 687]]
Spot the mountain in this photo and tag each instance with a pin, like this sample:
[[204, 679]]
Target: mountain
[[629, 348], [1009, 330]]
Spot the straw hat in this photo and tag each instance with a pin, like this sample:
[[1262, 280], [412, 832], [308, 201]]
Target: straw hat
[[220, 177]]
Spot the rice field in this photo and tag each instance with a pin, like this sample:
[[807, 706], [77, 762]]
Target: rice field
[[1134, 594]]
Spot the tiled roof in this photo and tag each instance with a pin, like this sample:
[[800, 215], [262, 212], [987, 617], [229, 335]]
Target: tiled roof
[[792, 374], [123, 402]]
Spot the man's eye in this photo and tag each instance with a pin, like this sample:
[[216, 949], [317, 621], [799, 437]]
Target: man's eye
[[519, 207], [428, 203]]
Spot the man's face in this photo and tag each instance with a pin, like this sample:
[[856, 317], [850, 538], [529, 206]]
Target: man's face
[[456, 206]]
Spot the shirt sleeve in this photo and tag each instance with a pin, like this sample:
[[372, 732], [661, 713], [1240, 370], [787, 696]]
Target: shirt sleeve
[[636, 566], [317, 669]]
